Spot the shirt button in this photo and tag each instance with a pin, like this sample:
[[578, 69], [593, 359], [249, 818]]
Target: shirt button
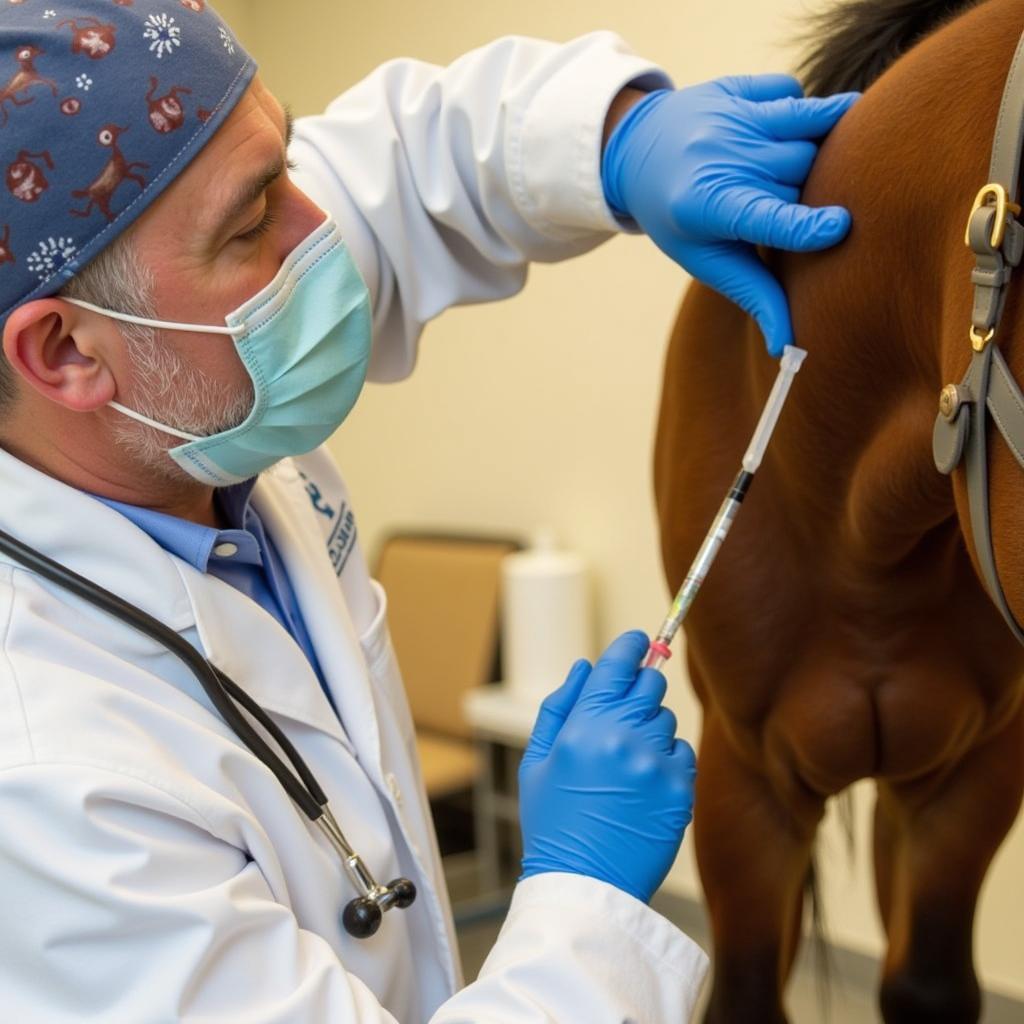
[[396, 790], [226, 550]]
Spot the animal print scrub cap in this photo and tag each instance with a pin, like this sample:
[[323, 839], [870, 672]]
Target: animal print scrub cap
[[103, 103]]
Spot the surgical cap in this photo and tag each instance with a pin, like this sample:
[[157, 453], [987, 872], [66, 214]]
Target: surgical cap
[[103, 103]]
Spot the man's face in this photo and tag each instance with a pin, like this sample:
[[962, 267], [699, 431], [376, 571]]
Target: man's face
[[216, 237]]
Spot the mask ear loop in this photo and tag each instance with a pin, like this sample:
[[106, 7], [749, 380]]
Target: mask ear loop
[[160, 324], [165, 324], [162, 427]]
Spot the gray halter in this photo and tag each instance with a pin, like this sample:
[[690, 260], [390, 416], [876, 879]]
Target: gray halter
[[961, 429]]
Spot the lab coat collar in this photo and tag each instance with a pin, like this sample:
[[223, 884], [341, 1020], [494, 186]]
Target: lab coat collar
[[242, 639], [95, 541], [235, 633], [281, 500]]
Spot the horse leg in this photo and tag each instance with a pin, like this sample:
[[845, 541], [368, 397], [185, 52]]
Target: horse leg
[[753, 853], [941, 839], [885, 833]]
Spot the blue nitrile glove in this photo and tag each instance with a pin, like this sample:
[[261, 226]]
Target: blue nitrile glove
[[605, 788], [711, 171]]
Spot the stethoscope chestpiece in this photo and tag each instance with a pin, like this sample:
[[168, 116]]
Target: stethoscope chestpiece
[[363, 915], [404, 892]]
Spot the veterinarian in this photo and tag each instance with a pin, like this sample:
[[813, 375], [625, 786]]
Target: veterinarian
[[187, 318]]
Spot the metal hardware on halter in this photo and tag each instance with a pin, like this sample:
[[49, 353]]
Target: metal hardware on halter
[[979, 341], [1003, 204], [950, 400], [363, 915], [997, 240]]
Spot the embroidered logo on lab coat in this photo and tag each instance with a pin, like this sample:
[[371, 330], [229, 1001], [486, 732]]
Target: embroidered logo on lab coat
[[342, 537]]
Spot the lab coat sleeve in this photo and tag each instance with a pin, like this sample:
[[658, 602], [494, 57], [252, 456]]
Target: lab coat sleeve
[[448, 182], [576, 949], [157, 917]]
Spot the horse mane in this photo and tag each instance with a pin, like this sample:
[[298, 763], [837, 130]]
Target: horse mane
[[855, 41]]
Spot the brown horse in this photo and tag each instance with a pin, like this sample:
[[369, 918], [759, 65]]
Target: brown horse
[[844, 633]]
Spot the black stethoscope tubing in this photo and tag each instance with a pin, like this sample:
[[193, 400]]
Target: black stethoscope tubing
[[362, 915], [221, 689]]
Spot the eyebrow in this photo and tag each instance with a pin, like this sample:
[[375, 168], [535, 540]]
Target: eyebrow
[[250, 192]]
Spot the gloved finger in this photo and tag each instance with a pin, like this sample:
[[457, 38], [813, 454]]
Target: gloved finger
[[760, 87], [785, 193], [661, 729], [554, 711], [615, 671], [649, 690], [683, 766], [760, 218], [791, 162], [790, 118], [684, 759], [740, 275]]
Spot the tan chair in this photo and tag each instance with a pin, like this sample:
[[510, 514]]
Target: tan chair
[[443, 608]]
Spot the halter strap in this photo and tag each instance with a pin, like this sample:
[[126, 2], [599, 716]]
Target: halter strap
[[1006, 150], [996, 237]]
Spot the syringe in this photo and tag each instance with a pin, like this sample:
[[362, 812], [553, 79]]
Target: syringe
[[660, 650]]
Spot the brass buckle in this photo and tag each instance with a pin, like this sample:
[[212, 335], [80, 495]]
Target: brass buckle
[[1003, 204], [951, 398], [979, 341]]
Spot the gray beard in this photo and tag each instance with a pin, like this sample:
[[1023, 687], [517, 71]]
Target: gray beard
[[169, 390]]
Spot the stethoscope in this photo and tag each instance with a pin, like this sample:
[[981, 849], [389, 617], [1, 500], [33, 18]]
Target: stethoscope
[[362, 916]]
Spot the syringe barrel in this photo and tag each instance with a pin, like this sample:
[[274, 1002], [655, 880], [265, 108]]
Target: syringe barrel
[[701, 565], [659, 652]]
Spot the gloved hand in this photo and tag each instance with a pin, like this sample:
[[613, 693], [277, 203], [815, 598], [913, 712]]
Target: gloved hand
[[605, 788], [711, 171]]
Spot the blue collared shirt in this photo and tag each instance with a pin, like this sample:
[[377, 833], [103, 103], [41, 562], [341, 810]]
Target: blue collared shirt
[[243, 556]]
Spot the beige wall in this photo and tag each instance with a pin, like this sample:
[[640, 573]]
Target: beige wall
[[541, 409]]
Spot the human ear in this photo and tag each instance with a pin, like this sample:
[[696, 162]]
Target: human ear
[[64, 353]]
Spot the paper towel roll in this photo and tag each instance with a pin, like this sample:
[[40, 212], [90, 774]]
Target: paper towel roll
[[546, 617]]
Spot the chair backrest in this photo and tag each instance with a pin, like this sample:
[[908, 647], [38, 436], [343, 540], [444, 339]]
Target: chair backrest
[[443, 610]]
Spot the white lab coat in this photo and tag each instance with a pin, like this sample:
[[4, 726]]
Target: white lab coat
[[151, 868]]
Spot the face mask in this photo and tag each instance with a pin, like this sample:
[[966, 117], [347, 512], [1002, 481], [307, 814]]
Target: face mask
[[305, 342]]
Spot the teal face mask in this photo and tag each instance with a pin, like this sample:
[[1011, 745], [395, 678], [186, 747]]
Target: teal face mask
[[305, 342]]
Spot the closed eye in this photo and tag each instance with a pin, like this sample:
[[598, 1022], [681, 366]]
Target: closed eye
[[269, 220]]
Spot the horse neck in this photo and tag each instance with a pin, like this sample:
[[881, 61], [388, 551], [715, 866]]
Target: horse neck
[[886, 314]]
